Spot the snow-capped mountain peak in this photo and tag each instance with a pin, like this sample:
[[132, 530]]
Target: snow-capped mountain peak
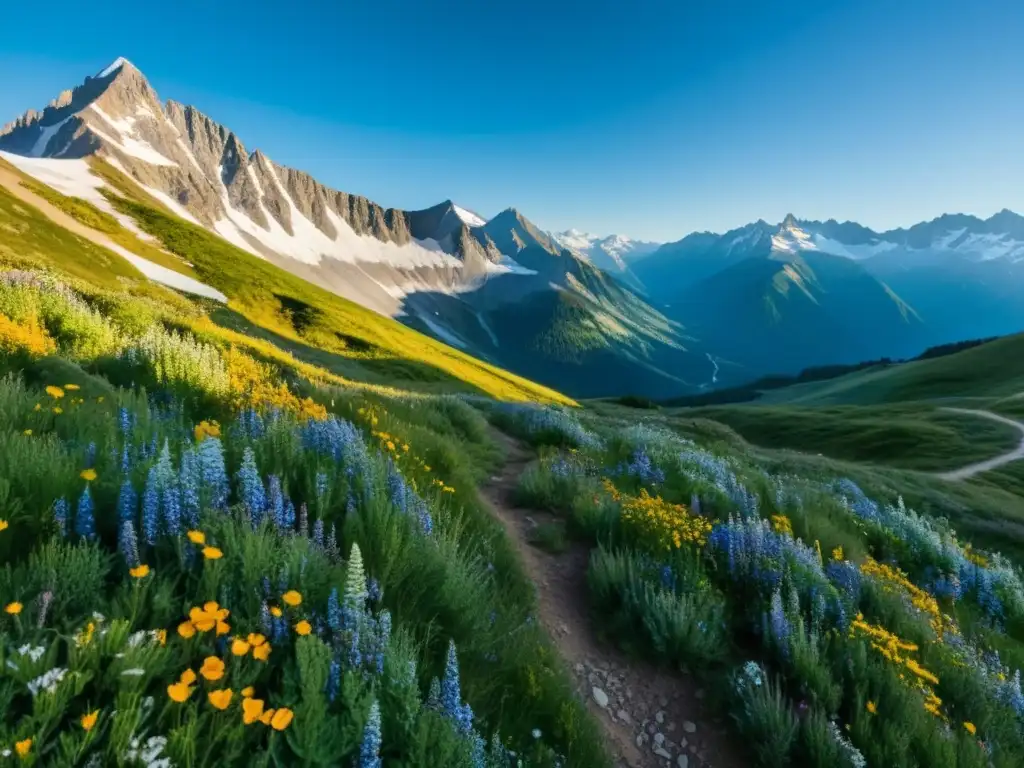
[[618, 249], [791, 238], [113, 67]]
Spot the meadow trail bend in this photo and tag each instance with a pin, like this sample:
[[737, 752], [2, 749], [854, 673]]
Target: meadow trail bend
[[651, 717], [963, 473]]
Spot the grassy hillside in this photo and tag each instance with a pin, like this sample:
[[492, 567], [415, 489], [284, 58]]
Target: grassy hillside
[[800, 589], [310, 324], [906, 436], [337, 559], [30, 240], [994, 369]]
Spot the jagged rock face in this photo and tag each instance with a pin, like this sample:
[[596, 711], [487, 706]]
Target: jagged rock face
[[361, 250], [501, 289]]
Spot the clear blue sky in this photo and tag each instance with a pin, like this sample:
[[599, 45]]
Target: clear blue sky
[[650, 118]]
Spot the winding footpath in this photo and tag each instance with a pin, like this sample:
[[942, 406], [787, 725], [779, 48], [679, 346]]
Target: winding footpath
[[651, 717], [971, 470]]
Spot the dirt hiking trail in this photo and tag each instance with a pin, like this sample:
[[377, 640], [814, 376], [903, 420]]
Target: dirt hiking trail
[[651, 717], [989, 464]]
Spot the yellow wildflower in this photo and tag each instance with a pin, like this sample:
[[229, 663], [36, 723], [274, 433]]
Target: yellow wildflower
[[72, 387], [266, 716], [13, 608], [655, 523], [282, 719], [179, 692], [186, 629], [212, 669], [88, 475], [139, 571], [255, 639], [837, 553], [971, 728], [196, 537], [58, 410], [248, 691], [55, 392], [212, 553], [4, 525], [161, 636], [872, 708], [220, 699], [261, 652], [206, 429], [292, 598], [188, 677], [27, 433], [303, 628], [38, 407], [89, 720], [22, 747], [239, 647], [251, 710], [276, 611]]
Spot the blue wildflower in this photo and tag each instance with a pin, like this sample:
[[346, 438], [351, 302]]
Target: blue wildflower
[[151, 507], [266, 622], [189, 483], [251, 486], [85, 525], [125, 422], [369, 750], [127, 501], [171, 508], [451, 693], [128, 543], [373, 592], [334, 610], [275, 500], [212, 472], [60, 516]]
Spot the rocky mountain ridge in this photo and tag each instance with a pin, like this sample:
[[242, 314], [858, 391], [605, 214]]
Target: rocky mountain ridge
[[444, 270]]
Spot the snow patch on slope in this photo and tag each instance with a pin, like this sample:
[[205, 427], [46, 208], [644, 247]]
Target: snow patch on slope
[[855, 252], [45, 134], [73, 178], [310, 245], [126, 141], [441, 332], [507, 266], [177, 208], [468, 216], [170, 278]]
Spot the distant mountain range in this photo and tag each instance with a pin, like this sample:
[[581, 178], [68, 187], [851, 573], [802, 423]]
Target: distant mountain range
[[778, 298], [589, 315]]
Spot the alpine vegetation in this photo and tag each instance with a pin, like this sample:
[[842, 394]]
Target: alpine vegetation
[[846, 629]]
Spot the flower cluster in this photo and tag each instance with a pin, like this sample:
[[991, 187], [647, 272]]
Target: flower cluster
[[658, 525]]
